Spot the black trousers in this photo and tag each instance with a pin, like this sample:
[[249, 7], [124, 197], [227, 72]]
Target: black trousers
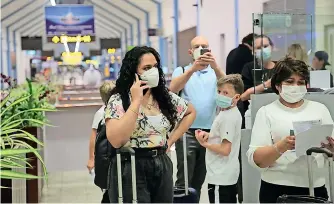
[[240, 106], [270, 192], [196, 162], [225, 194], [154, 179]]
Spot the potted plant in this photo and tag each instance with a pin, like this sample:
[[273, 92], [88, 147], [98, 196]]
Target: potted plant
[[22, 111]]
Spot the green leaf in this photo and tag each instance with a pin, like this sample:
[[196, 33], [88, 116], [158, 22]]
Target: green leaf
[[16, 175], [36, 154], [2, 143], [19, 159], [4, 101], [11, 125], [13, 104], [16, 123], [10, 164], [10, 152], [25, 111], [7, 142], [26, 135]]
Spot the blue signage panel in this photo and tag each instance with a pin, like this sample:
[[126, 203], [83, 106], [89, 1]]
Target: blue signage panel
[[69, 20]]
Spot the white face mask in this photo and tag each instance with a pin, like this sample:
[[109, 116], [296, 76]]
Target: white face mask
[[197, 52], [151, 76], [293, 94]]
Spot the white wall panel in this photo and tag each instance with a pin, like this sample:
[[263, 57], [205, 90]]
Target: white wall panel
[[187, 15], [324, 16], [218, 18]]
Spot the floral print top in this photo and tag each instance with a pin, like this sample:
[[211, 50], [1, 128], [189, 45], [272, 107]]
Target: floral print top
[[150, 131]]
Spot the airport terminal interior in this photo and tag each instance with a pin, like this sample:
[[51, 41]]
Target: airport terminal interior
[[57, 54]]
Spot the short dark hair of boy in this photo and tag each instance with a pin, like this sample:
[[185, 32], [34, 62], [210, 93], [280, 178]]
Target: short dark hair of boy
[[105, 91], [233, 79], [249, 39], [287, 67]]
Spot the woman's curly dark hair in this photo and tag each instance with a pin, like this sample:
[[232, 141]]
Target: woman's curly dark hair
[[127, 77]]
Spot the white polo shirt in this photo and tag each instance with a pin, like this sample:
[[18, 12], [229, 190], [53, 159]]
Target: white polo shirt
[[99, 115], [224, 170]]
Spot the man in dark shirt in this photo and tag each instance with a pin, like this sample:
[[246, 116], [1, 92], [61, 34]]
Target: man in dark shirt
[[241, 55]]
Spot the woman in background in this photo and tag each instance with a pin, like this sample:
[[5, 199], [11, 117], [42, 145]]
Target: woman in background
[[264, 69], [296, 51]]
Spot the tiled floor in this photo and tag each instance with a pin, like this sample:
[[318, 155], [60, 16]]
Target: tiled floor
[[78, 187], [71, 187]]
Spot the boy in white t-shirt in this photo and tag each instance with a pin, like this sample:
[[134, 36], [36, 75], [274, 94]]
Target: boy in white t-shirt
[[105, 92], [223, 142]]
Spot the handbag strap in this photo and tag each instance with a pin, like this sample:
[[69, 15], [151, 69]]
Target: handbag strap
[[180, 92]]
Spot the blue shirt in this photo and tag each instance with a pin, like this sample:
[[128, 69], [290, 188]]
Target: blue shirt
[[200, 90]]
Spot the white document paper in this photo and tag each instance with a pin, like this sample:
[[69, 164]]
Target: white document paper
[[312, 138], [301, 126]]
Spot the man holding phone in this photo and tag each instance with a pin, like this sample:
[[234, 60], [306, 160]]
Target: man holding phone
[[196, 83]]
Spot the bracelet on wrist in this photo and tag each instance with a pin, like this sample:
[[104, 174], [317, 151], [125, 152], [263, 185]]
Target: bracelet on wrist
[[277, 150]]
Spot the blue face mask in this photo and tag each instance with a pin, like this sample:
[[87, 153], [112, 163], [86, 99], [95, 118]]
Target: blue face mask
[[223, 101], [265, 53]]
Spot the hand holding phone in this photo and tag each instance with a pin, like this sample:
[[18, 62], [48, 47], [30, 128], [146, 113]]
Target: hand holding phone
[[204, 50]]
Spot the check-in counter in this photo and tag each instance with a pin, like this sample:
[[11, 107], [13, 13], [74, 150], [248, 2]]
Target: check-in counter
[[251, 178]]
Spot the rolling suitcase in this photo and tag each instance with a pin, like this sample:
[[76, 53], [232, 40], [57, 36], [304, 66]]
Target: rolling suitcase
[[186, 194], [133, 173], [310, 198]]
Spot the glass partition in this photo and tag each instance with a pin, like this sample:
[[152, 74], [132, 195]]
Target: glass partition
[[300, 36]]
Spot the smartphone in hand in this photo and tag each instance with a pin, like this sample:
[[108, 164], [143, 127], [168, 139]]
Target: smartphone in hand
[[204, 50]]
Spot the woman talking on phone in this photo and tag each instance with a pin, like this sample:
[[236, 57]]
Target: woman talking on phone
[[271, 149], [141, 113]]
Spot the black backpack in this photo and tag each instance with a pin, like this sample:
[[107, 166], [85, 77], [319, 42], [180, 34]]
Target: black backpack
[[104, 152]]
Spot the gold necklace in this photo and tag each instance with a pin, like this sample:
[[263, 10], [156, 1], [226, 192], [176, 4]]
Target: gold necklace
[[149, 106]]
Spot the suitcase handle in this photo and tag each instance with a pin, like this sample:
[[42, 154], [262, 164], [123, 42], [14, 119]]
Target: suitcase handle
[[330, 156], [319, 150], [133, 173]]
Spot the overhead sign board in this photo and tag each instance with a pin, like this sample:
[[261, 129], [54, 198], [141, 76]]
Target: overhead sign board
[[107, 43], [154, 32], [71, 39], [72, 58], [69, 20], [31, 43]]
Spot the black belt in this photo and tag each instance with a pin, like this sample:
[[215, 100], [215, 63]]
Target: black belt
[[147, 152]]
